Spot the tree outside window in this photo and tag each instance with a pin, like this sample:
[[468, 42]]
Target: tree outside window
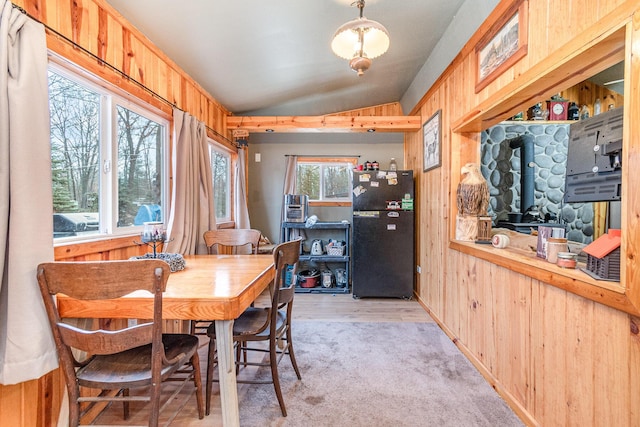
[[94, 132], [221, 165], [325, 180]]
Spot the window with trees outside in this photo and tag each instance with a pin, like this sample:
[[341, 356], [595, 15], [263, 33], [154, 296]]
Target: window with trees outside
[[221, 167], [325, 181], [108, 160]]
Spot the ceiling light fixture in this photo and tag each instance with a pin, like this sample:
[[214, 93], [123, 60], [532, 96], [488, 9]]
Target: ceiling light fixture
[[360, 41]]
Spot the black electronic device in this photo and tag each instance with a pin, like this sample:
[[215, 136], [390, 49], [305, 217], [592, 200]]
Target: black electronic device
[[594, 165]]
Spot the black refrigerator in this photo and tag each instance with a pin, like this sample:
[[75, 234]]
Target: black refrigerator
[[383, 234]]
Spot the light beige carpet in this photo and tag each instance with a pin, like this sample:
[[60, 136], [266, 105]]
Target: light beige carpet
[[375, 375]]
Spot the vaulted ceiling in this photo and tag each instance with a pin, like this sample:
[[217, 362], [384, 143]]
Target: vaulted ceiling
[[273, 57]]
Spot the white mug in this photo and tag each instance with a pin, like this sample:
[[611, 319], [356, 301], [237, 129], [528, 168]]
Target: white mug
[[500, 241]]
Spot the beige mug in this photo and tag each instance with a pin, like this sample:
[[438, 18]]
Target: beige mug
[[500, 241]]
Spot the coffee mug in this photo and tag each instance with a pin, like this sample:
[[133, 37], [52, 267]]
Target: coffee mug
[[500, 241]]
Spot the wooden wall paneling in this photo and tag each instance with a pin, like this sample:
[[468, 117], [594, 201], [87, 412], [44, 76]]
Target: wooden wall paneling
[[539, 28], [51, 388], [549, 357], [457, 302], [174, 91], [12, 407], [138, 66], [633, 411], [37, 9], [580, 331], [149, 69], [432, 246], [507, 336], [471, 309], [511, 328], [114, 37], [486, 297], [162, 79], [630, 180], [63, 18], [611, 366], [90, 17], [563, 336], [449, 296]]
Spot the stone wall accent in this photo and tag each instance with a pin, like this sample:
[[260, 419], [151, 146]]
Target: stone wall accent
[[500, 165]]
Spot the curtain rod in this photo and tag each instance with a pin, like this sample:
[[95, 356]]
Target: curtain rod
[[116, 70], [323, 155]]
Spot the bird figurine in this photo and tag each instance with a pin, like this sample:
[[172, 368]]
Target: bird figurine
[[473, 192]]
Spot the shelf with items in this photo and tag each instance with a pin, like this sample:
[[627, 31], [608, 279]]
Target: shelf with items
[[328, 266]]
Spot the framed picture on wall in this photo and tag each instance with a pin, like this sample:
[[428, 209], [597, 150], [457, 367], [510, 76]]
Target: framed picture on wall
[[504, 44], [431, 139]]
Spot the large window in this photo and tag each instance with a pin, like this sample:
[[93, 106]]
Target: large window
[[221, 166], [108, 160], [325, 180]]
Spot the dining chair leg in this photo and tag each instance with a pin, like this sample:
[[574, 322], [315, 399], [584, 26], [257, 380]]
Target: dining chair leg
[[197, 381], [292, 356], [125, 404], [273, 361], [155, 404], [210, 365], [241, 350], [74, 406]]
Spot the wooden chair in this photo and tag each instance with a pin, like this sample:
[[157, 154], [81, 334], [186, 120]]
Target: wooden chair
[[270, 324], [117, 360], [231, 239], [226, 241]]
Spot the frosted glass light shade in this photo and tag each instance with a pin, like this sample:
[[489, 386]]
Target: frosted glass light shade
[[346, 42]]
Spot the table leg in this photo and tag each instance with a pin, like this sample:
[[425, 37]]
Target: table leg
[[227, 373]]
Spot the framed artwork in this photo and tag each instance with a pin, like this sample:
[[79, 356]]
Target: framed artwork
[[504, 44], [431, 140]]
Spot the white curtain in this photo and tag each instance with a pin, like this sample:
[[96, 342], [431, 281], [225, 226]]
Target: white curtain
[[192, 208], [289, 187], [242, 211], [27, 350], [291, 164]]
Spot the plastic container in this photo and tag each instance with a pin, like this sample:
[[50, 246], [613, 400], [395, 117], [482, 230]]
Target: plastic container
[[327, 278], [393, 166]]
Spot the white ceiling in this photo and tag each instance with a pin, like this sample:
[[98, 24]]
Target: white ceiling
[[272, 57]]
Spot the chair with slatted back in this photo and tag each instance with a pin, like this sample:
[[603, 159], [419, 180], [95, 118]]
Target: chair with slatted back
[[227, 241], [270, 325], [230, 240], [138, 356]]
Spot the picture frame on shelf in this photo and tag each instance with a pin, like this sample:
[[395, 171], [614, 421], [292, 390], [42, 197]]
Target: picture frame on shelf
[[431, 140], [503, 45]]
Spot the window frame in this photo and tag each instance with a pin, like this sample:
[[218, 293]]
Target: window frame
[[233, 157], [326, 161], [112, 97]]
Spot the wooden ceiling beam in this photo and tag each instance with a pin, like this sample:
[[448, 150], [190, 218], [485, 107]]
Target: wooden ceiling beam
[[326, 124]]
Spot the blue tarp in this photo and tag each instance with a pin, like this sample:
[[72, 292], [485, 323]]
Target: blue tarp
[[148, 213]]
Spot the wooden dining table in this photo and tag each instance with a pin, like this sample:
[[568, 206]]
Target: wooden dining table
[[212, 287]]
